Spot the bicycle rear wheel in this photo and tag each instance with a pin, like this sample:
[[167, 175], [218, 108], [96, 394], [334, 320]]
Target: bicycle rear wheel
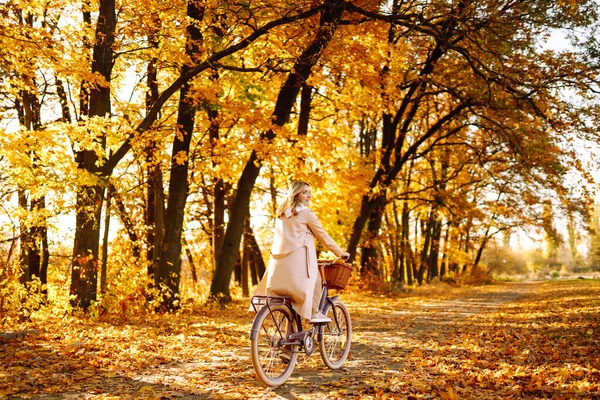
[[273, 360], [336, 337]]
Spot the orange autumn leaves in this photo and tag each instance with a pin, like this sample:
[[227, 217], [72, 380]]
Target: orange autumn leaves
[[524, 341], [516, 340]]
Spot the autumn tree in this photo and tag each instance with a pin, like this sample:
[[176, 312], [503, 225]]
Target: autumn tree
[[169, 268], [330, 17], [25, 91], [466, 42]]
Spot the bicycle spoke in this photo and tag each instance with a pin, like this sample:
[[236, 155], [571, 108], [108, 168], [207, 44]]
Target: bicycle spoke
[[282, 320], [269, 361], [335, 340]]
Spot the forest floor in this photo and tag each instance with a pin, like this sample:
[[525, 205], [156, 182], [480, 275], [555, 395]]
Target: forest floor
[[534, 340]]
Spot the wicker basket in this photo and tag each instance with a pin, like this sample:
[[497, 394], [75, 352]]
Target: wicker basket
[[337, 274]]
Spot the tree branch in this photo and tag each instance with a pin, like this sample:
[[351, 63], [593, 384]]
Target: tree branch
[[112, 162]]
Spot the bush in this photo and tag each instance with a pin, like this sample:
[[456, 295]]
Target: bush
[[18, 301], [478, 275]]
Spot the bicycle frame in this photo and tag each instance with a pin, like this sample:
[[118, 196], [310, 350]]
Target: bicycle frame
[[268, 301]]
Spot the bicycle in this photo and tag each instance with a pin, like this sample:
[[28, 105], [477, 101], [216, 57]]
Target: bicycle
[[277, 335]]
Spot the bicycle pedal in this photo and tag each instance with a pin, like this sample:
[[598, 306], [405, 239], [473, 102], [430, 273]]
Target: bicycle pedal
[[286, 357]]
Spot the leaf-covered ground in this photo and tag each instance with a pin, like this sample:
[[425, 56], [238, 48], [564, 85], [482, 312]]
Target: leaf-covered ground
[[502, 341]]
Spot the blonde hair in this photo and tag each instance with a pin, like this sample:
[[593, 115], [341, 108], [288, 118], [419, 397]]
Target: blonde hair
[[291, 201]]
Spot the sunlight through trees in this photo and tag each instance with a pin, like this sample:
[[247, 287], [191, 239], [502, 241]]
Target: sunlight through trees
[[431, 132]]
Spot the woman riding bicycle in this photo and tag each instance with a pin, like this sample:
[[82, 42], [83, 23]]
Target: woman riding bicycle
[[292, 269]]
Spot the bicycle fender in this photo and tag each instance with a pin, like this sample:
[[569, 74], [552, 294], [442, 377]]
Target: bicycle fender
[[255, 325], [331, 300]]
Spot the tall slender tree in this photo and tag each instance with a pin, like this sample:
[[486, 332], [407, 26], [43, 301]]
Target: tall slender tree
[[84, 272], [168, 275]]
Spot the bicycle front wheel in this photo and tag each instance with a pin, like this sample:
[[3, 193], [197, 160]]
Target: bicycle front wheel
[[273, 360], [336, 337]]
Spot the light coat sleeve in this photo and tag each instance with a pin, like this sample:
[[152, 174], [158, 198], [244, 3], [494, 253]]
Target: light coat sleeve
[[317, 229]]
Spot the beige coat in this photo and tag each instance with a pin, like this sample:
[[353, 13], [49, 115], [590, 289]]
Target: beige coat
[[292, 269]]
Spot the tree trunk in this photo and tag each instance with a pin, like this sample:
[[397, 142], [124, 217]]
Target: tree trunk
[[305, 107], [257, 265], [433, 262], [25, 241], [219, 209], [219, 190], [330, 19], [395, 245], [480, 252], [125, 218], [369, 251], [445, 259], [229, 251], [190, 258], [154, 212], [252, 263], [366, 208], [155, 217], [84, 271], [103, 280], [34, 243], [155, 202], [426, 231], [405, 244], [439, 187], [168, 276], [237, 270], [246, 261], [32, 239], [486, 236], [45, 259]]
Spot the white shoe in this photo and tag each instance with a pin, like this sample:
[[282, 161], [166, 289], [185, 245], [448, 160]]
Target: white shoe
[[319, 318]]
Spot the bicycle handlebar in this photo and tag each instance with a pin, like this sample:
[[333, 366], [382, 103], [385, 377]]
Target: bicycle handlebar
[[336, 260]]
